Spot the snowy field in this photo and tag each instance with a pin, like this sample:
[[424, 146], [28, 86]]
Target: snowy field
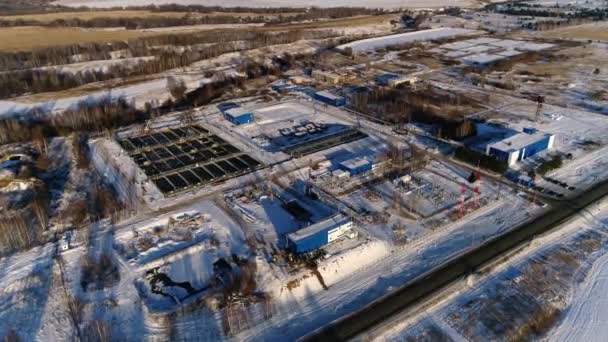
[[558, 280], [585, 320], [98, 65], [278, 3], [405, 38]]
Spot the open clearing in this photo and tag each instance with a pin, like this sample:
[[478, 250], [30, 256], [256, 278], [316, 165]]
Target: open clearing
[[34, 37], [89, 15], [27, 38], [593, 31]]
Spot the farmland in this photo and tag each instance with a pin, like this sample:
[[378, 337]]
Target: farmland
[[89, 15], [29, 38], [594, 31]]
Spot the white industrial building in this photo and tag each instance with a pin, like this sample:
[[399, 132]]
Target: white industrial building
[[521, 146]]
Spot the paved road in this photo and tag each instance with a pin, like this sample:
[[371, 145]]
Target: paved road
[[436, 279]]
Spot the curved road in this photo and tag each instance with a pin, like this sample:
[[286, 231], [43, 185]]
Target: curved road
[[436, 279]]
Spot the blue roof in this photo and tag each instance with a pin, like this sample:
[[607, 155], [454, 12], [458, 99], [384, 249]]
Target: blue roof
[[384, 78], [227, 105]]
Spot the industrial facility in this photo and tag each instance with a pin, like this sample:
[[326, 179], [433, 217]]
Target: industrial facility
[[181, 158], [325, 76], [521, 146], [319, 234], [330, 99], [356, 166]]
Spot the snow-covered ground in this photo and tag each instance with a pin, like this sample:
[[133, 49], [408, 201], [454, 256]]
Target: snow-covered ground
[[296, 317], [97, 66], [585, 320], [561, 272], [26, 280], [410, 37]]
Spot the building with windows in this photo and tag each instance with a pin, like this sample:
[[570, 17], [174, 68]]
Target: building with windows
[[521, 146], [319, 234]]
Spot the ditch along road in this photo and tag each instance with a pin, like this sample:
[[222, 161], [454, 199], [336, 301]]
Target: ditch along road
[[422, 288]]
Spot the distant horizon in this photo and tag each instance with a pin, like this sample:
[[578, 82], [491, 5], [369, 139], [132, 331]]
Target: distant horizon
[[389, 4]]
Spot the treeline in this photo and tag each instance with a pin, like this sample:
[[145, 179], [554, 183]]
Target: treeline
[[209, 92], [135, 22], [37, 126], [148, 46], [21, 228], [146, 22], [16, 83], [428, 106], [479, 159], [574, 13]]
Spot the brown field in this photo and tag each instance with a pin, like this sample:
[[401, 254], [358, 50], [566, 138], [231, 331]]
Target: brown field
[[88, 15], [337, 23], [26, 38], [576, 57], [32, 37], [594, 31]]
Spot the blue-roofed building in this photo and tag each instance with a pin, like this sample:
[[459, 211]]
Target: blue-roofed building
[[317, 235], [238, 115], [521, 146], [356, 166], [279, 86], [385, 79], [330, 99], [223, 107]]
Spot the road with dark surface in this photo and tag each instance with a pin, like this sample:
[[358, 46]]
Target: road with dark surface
[[421, 288]]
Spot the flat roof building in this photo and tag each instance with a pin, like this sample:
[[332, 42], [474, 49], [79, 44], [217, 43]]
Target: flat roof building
[[521, 146], [356, 166], [238, 115], [319, 234], [330, 99], [326, 76]]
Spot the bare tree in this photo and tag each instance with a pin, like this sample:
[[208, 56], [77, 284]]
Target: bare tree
[[176, 87]]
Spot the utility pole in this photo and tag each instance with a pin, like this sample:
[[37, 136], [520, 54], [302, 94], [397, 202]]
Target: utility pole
[[539, 108]]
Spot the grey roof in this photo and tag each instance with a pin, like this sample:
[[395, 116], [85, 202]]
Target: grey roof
[[238, 111], [325, 225], [328, 95], [355, 163], [518, 141]]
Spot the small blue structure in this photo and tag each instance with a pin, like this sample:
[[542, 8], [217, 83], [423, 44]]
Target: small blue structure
[[279, 86], [319, 234], [356, 166], [238, 116], [384, 79], [330, 99], [520, 179]]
